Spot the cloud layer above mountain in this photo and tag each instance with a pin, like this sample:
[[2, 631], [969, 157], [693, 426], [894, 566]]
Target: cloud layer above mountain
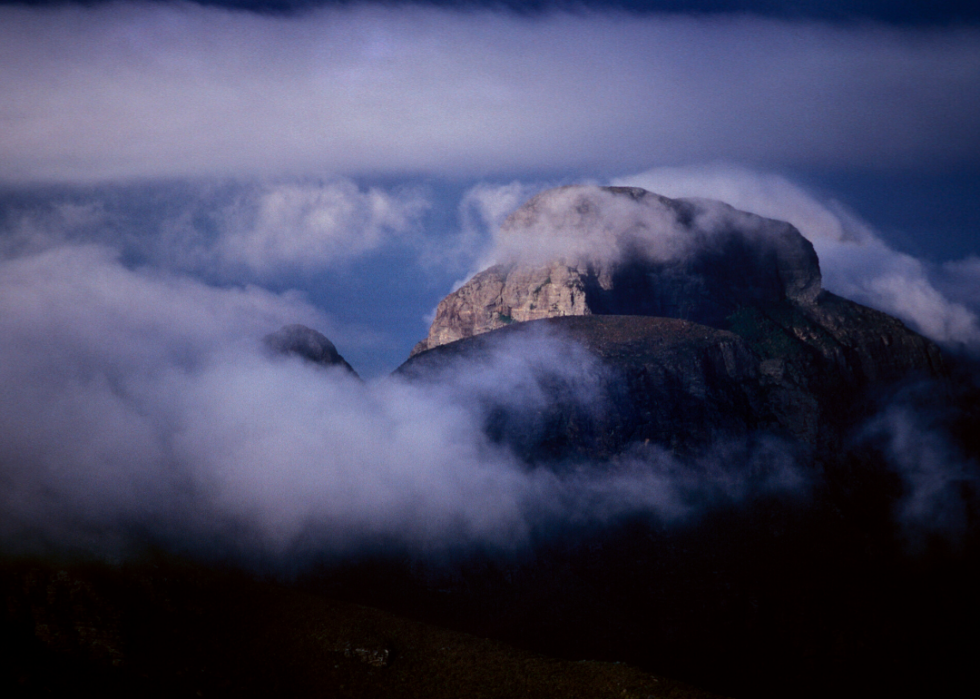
[[152, 90]]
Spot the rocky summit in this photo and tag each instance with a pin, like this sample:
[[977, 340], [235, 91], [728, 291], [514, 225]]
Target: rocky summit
[[711, 321], [576, 251]]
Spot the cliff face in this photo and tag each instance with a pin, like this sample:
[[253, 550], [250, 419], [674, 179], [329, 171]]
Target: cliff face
[[711, 321]]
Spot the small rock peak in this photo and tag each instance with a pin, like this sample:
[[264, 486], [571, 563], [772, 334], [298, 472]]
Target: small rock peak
[[306, 343], [588, 250]]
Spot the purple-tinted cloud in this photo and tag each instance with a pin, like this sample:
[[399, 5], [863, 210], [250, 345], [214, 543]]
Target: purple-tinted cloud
[[147, 90], [135, 399]]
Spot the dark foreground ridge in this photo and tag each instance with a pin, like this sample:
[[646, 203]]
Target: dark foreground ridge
[[165, 628]]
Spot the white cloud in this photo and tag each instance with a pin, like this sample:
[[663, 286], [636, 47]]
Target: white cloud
[[762, 193], [146, 90], [312, 226], [237, 230], [880, 277], [131, 398], [482, 210]]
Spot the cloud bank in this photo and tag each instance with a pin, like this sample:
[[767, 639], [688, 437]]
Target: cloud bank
[[147, 90], [135, 401], [236, 230]]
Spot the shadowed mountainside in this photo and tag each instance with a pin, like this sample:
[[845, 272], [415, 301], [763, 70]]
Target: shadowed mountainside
[[711, 341]]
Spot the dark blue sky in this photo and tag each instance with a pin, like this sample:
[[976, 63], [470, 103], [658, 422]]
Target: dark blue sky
[[904, 12]]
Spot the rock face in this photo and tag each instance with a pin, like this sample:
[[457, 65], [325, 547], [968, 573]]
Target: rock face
[[579, 251], [307, 343], [711, 321]]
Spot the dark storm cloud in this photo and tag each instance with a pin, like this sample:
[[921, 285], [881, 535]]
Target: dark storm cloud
[[169, 90], [899, 11]]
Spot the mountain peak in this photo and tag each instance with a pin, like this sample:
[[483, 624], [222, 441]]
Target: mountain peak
[[588, 250], [306, 343]]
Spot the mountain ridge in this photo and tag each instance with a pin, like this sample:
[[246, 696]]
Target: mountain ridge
[[776, 353]]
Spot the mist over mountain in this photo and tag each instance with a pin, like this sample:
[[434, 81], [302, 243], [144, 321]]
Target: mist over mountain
[[436, 348], [792, 456], [778, 355], [644, 433]]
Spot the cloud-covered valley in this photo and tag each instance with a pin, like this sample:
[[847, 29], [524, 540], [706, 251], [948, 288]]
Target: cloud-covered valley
[[141, 406]]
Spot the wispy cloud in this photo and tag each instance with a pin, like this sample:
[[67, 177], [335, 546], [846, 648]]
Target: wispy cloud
[[311, 226], [855, 260], [241, 231]]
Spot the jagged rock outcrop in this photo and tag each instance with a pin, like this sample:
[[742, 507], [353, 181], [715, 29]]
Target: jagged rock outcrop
[[304, 342], [577, 251], [711, 321]]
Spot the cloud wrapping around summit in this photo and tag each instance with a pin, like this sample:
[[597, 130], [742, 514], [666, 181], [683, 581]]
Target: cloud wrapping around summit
[[147, 90], [855, 261], [939, 301]]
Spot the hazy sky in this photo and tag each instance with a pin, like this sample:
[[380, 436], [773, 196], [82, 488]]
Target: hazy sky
[[177, 179]]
